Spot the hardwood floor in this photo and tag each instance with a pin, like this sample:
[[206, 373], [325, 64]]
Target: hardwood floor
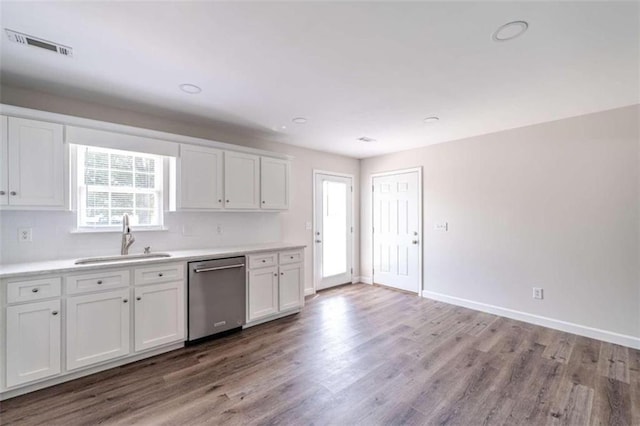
[[361, 354]]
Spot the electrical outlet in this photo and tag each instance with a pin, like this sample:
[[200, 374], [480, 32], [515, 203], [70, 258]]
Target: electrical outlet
[[25, 235], [537, 293], [219, 229]]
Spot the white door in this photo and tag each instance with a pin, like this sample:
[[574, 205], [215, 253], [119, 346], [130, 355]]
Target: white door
[[200, 177], [4, 162], [241, 180], [396, 230], [290, 286], [97, 328], [274, 183], [159, 314], [333, 231], [33, 342], [36, 158], [263, 292]]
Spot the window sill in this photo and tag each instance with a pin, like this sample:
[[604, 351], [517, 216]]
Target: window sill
[[117, 230]]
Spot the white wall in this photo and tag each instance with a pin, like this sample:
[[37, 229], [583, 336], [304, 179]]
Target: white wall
[[51, 236], [555, 205]]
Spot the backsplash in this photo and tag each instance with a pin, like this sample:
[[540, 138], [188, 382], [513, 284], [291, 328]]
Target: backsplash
[[53, 239]]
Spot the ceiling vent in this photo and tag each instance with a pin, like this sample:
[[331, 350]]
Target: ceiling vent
[[38, 42], [366, 139]]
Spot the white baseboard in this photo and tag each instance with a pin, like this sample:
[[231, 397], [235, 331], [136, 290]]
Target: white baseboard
[[364, 280], [569, 327], [309, 291]]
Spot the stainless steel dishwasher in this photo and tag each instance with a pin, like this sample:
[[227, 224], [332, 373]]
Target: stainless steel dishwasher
[[217, 296]]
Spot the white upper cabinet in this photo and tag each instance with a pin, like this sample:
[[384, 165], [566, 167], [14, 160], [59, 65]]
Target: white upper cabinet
[[241, 180], [274, 183], [200, 178], [4, 161], [35, 154]]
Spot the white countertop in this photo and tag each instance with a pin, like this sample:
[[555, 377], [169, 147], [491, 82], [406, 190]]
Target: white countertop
[[68, 265]]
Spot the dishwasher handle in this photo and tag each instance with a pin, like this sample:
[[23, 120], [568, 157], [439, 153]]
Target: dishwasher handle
[[219, 268]]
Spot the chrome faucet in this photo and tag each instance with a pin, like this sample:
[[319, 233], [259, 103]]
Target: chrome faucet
[[127, 236]]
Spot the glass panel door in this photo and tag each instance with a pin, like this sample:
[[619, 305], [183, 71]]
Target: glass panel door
[[333, 230]]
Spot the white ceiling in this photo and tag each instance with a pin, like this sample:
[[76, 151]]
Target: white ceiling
[[352, 69]]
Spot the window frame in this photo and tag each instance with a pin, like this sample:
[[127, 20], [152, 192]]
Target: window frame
[[78, 189]]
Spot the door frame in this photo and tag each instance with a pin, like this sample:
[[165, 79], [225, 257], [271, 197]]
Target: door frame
[[316, 172], [420, 222]]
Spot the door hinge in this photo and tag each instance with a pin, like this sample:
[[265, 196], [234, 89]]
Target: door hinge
[[352, 229], [351, 271], [373, 188], [352, 188]]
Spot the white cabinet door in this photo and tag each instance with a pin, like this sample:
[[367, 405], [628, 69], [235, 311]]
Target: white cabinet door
[[159, 314], [4, 162], [290, 288], [97, 328], [36, 158], [33, 342], [241, 180], [274, 183], [263, 292], [200, 177]]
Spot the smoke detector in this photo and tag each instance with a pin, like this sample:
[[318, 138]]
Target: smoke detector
[[38, 42]]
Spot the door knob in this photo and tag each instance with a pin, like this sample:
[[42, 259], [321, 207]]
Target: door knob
[[318, 241], [414, 242]]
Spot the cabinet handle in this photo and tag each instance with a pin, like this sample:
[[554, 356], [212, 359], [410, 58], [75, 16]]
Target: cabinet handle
[[2, 192], [291, 257], [35, 290], [219, 201], [275, 275], [264, 260], [138, 298], [281, 273], [263, 202], [54, 313], [227, 201], [125, 300], [99, 281], [13, 193], [160, 274]]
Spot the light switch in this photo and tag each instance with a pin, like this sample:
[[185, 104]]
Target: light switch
[[443, 226]]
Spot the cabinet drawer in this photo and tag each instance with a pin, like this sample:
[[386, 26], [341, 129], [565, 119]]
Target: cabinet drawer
[[290, 257], [159, 274], [262, 260], [97, 281], [23, 291]]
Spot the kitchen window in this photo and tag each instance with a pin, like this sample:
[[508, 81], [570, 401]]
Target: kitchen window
[[112, 182]]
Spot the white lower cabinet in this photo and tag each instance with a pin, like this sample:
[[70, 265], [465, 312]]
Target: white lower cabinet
[[263, 293], [290, 286], [97, 327], [159, 314], [33, 342], [275, 290]]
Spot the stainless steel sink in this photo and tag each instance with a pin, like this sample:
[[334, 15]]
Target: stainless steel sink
[[120, 258]]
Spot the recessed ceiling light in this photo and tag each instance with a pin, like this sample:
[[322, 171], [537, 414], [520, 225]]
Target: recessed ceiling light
[[510, 30], [366, 139], [299, 120], [191, 89], [431, 120]]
